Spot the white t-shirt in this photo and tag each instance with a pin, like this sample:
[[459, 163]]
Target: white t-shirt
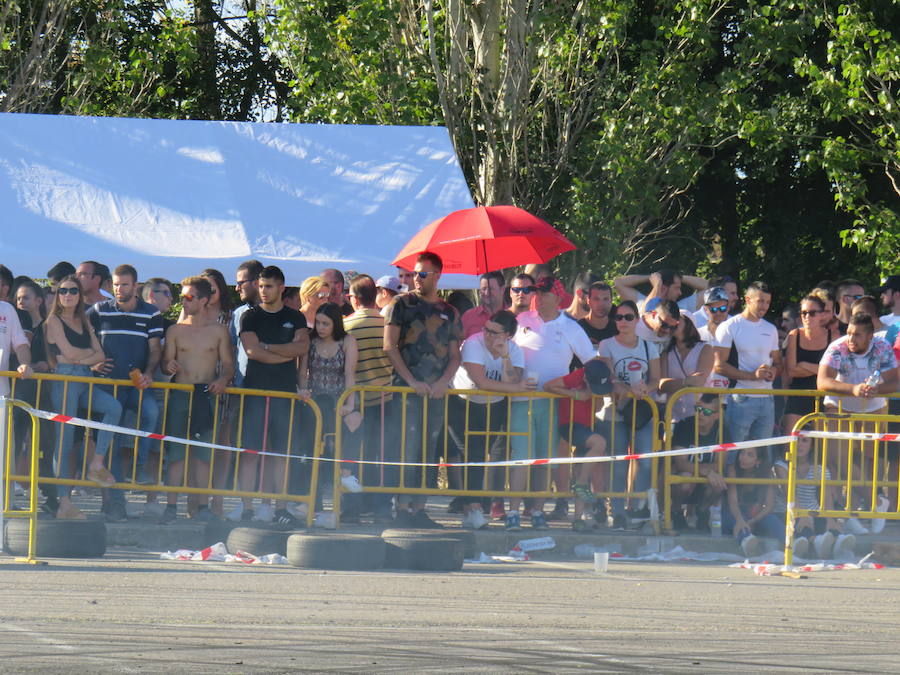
[[889, 319], [687, 303], [11, 336], [629, 364], [475, 351], [754, 340], [714, 379], [549, 346], [644, 332], [699, 317]]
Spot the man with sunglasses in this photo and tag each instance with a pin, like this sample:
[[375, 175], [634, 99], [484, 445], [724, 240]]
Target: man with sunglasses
[[521, 291], [848, 291], [247, 285], [715, 310], [659, 324]]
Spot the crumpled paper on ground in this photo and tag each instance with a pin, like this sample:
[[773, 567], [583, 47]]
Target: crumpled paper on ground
[[484, 558], [218, 553], [766, 569]]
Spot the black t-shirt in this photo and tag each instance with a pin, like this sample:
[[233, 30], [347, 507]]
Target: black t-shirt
[[598, 334], [683, 437], [272, 328]]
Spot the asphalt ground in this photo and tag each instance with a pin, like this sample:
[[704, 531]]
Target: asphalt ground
[[132, 612]]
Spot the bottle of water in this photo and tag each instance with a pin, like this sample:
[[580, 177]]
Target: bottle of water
[[715, 521], [874, 379]]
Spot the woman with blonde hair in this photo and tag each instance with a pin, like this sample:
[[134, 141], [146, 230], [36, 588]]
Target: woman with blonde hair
[[313, 294]]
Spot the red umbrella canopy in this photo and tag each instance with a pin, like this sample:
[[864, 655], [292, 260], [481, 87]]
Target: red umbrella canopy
[[486, 238]]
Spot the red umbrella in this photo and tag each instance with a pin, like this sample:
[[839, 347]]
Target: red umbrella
[[486, 238]]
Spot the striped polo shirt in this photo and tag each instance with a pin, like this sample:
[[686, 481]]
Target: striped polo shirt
[[373, 367], [125, 336]]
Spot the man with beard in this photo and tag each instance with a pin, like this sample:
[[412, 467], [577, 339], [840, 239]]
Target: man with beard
[[580, 305], [247, 285], [490, 293], [596, 322]]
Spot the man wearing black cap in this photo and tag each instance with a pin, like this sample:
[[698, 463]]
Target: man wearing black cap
[[577, 416]]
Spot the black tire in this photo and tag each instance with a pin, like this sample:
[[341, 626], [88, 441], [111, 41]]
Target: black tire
[[426, 553], [337, 551], [258, 540], [56, 538], [217, 531], [467, 537]]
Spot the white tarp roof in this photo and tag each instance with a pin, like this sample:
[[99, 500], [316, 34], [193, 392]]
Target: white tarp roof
[[172, 197]]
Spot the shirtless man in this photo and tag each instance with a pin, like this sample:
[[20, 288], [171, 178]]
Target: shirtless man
[[197, 351]]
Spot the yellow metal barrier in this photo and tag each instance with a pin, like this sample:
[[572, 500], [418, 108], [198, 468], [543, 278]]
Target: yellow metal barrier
[[671, 479], [872, 482], [394, 421], [6, 428], [301, 438]]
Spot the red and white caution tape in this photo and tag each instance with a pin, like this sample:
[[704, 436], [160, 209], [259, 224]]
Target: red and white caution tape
[[770, 569], [849, 435]]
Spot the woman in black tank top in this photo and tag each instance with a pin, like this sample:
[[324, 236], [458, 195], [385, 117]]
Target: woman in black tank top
[[805, 347]]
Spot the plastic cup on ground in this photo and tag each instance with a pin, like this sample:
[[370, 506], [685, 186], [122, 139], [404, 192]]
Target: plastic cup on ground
[[601, 561]]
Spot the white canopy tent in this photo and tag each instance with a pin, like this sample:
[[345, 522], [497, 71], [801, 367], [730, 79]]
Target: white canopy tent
[[172, 197]]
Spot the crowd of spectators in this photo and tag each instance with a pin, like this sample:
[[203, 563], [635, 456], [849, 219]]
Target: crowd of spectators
[[609, 352]]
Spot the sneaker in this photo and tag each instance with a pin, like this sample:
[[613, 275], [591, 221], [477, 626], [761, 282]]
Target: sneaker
[[19, 491], [298, 509], [801, 547], [497, 510], [404, 520], [247, 515], [853, 526], [844, 543], [422, 521], [50, 506], [456, 505], [824, 545], [115, 513], [751, 545], [475, 520], [264, 514], [539, 521], [679, 522], [204, 515], [153, 510], [583, 493], [351, 483], [560, 511], [236, 514], [878, 523], [170, 514], [283, 517], [513, 521], [141, 477]]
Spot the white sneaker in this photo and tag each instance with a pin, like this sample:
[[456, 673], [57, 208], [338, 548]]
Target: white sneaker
[[824, 544], [844, 544], [801, 547], [853, 526], [475, 520], [878, 523], [351, 483], [264, 514], [235, 514], [298, 510], [751, 545], [154, 510], [19, 491]]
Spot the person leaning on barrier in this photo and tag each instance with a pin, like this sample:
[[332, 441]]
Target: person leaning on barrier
[[588, 436], [72, 348], [274, 337], [491, 361], [421, 338], [702, 428], [198, 352]]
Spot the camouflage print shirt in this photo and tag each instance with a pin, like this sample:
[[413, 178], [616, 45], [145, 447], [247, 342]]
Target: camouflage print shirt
[[426, 331]]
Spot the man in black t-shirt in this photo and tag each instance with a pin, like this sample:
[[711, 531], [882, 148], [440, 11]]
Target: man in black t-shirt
[[702, 429], [274, 337]]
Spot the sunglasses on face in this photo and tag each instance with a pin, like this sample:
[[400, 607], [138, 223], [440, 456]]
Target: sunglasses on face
[[851, 298], [718, 310], [809, 312], [238, 284], [522, 289], [70, 290], [322, 295], [422, 275], [665, 325], [188, 297], [703, 410], [625, 317]]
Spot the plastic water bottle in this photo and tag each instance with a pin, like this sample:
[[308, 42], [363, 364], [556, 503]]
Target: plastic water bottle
[[874, 379], [715, 521]]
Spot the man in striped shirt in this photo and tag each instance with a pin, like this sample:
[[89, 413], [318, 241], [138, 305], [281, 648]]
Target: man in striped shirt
[[373, 368], [129, 331]]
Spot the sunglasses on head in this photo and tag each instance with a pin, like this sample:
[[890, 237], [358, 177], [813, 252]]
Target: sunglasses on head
[[67, 290], [718, 309], [625, 317], [522, 289], [703, 410]]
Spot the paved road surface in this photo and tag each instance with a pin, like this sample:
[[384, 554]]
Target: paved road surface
[[134, 613]]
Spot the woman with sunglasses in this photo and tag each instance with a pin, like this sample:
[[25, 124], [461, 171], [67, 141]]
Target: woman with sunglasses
[[687, 362], [805, 347], [314, 293], [73, 348], [634, 363]]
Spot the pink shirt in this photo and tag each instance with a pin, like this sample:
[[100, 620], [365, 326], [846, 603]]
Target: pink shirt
[[473, 321]]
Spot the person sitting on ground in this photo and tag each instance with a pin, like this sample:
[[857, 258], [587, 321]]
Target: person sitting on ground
[[701, 429], [326, 371], [491, 361], [197, 351], [73, 348], [749, 514], [314, 292], [825, 535], [587, 437], [686, 362]]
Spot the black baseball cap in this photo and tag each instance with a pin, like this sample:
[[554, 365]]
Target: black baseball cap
[[598, 377], [892, 283]]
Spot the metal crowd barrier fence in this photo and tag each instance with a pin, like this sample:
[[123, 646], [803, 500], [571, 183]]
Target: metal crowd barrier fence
[[671, 479], [281, 423], [6, 458], [847, 438], [397, 424]]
